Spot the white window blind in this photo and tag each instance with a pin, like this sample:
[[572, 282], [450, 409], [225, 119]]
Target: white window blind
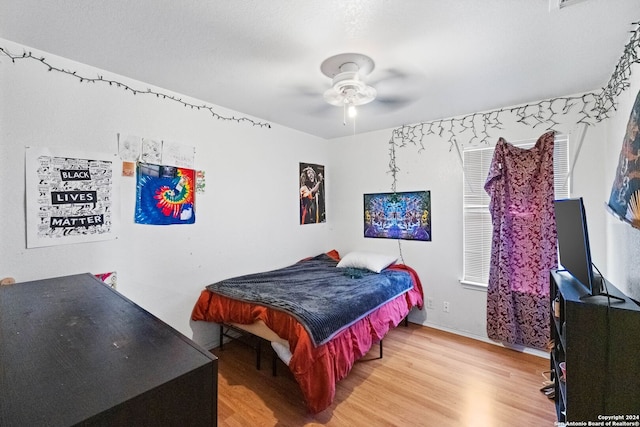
[[476, 216]]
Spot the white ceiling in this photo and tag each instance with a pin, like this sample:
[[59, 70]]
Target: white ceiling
[[262, 58]]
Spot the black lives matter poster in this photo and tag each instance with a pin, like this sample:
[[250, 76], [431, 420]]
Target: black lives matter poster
[[69, 198]]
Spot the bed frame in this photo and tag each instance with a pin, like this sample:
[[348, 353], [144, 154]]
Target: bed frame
[[254, 336], [236, 333]]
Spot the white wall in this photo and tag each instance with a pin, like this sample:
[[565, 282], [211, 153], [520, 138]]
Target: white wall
[[246, 221], [360, 165]]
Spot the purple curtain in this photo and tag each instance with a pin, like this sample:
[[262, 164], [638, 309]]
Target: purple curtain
[[520, 187]]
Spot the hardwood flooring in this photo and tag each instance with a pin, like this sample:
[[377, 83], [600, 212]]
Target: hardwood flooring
[[427, 377]]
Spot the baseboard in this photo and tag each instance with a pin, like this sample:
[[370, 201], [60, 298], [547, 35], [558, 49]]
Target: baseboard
[[526, 350]]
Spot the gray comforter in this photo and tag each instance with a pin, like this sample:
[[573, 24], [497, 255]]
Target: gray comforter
[[323, 298]]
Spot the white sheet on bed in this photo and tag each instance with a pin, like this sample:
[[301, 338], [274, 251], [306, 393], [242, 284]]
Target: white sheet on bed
[[279, 345]]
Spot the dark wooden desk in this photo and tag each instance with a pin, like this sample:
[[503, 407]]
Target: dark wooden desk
[[75, 352]]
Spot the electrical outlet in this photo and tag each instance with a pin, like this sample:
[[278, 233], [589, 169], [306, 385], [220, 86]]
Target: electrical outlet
[[445, 306], [430, 303]]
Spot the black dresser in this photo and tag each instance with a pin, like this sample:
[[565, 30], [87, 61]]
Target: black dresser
[[73, 351]]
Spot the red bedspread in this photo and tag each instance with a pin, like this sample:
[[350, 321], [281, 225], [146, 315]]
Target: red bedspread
[[316, 369]]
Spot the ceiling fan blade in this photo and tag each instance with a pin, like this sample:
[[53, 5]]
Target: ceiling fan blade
[[397, 88], [307, 91], [324, 109], [395, 102], [388, 75]]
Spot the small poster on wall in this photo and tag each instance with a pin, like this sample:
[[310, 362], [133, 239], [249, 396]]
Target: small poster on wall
[[165, 195], [151, 151], [110, 278], [404, 215], [176, 154], [312, 208], [70, 197], [129, 147], [201, 182]]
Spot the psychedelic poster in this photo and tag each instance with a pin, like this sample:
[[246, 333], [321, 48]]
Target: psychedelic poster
[[165, 195], [624, 201], [70, 196], [404, 216]]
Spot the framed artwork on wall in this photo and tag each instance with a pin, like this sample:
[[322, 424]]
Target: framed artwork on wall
[[312, 197], [405, 215]]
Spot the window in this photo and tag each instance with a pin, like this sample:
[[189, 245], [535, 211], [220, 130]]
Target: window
[[475, 204]]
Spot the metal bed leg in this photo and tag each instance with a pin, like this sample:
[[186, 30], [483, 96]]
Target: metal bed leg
[[221, 336], [258, 351], [274, 363], [380, 349], [257, 347]]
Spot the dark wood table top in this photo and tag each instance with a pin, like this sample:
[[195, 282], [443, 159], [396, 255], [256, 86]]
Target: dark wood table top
[[72, 347]]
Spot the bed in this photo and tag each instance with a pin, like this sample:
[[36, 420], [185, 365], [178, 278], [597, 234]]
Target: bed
[[324, 312]]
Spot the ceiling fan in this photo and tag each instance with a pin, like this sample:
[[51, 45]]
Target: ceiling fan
[[348, 87]]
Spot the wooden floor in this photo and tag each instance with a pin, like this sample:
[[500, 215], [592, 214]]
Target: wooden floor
[[427, 377]]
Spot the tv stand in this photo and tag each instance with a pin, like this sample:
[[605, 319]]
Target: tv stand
[[605, 297], [598, 342], [600, 289]]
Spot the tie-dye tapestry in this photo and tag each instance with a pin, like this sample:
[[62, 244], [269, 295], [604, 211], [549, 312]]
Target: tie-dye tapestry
[[624, 201], [165, 195]]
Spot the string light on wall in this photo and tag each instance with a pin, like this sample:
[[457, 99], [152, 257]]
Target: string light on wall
[[473, 129], [100, 79]]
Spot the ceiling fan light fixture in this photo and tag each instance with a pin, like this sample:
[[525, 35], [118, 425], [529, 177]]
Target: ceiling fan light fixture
[[347, 87], [349, 90]]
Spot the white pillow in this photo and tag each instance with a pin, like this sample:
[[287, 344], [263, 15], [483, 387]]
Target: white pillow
[[366, 260]]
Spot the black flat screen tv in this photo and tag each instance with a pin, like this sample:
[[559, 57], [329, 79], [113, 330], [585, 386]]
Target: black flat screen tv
[[573, 247], [573, 242]]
